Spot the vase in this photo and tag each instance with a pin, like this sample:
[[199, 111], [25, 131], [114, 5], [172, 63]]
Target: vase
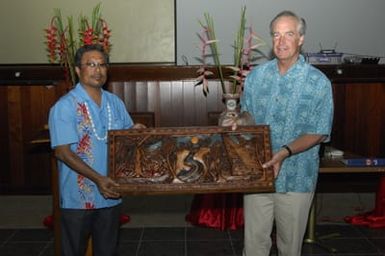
[[231, 111]]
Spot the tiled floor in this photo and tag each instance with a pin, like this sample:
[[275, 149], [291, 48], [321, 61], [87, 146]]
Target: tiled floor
[[190, 241], [158, 228], [28, 211]]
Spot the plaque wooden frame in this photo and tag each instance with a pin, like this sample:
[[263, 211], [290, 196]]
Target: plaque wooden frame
[[191, 160]]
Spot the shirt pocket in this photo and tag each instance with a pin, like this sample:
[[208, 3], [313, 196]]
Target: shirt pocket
[[117, 123]]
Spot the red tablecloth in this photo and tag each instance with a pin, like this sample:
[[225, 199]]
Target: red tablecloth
[[219, 211], [375, 218]]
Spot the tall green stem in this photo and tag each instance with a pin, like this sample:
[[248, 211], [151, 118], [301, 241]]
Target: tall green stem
[[238, 48], [214, 49]]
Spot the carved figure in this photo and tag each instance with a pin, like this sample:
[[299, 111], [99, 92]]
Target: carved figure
[[193, 158]]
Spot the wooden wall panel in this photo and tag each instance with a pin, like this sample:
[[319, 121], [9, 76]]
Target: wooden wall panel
[[359, 119], [25, 166], [4, 138], [15, 135], [174, 103]]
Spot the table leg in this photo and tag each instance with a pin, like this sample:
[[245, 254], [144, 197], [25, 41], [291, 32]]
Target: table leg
[[310, 236]]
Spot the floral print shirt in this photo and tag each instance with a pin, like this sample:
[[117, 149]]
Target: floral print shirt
[[296, 103], [73, 120]]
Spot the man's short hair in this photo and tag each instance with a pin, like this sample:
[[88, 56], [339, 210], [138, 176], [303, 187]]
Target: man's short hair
[[301, 21], [88, 48]]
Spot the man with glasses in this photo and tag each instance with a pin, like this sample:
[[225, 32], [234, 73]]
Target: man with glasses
[[90, 203]]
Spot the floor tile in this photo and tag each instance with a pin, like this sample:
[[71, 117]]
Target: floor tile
[[351, 245], [338, 230], [237, 246], [164, 234], [162, 248], [22, 248], [131, 234], [204, 234], [49, 250], [379, 244], [190, 241], [5, 234], [236, 234], [24, 211], [317, 248], [30, 235], [209, 248], [371, 232], [128, 248]]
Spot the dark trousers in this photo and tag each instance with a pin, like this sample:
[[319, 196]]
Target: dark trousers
[[100, 224]]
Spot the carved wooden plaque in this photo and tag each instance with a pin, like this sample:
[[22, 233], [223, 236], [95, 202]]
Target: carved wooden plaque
[[191, 160]]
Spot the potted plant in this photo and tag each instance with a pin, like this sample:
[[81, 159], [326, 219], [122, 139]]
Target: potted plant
[[231, 77], [63, 39], [245, 51]]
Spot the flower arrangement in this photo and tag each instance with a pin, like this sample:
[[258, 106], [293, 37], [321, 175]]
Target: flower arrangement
[[245, 47], [62, 41]]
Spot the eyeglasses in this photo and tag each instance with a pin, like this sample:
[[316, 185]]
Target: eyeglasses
[[95, 65]]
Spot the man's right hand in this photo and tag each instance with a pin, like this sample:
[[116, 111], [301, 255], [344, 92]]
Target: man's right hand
[[108, 187], [229, 122]]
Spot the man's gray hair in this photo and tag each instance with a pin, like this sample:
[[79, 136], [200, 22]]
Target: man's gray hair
[[301, 21]]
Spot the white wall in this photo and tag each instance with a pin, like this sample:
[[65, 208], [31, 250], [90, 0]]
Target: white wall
[[142, 30], [355, 26]]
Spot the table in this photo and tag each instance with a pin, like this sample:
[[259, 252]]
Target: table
[[333, 165]]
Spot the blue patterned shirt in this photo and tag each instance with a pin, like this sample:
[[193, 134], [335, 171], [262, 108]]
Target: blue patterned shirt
[[296, 103], [70, 122]]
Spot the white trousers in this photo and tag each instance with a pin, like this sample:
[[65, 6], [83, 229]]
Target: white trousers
[[290, 211]]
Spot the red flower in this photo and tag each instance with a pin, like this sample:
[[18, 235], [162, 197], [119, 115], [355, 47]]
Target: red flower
[[105, 36], [62, 40], [51, 42], [88, 36]]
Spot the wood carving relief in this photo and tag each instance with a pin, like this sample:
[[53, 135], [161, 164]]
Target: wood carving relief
[[191, 160]]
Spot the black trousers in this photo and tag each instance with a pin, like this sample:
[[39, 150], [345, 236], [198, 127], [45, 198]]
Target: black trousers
[[100, 224]]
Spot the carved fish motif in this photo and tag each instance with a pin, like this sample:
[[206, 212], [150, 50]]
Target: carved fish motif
[[199, 156], [189, 166]]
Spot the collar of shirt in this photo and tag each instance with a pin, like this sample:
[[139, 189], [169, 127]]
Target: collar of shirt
[[82, 95], [293, 69]]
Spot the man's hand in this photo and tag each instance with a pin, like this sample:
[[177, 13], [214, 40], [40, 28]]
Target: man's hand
[[243, 118], [139, 126], [226, 122], [107, 187], [276, 162]]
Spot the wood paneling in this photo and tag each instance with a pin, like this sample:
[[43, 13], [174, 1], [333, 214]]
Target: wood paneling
[[174, 103], [25, 166], [164, 96], [4, 138], [359, 120]]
